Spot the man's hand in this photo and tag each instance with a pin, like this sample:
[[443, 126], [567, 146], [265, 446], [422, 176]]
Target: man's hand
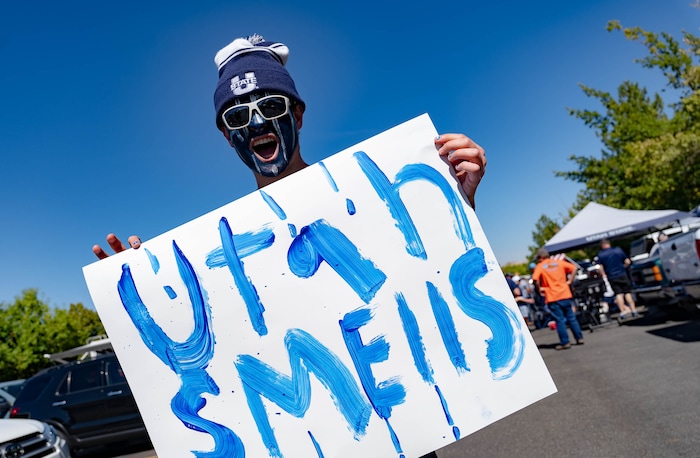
[[116, 245], [467, 158]]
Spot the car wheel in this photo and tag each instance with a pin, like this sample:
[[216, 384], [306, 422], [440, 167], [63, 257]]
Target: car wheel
[[66, 438]]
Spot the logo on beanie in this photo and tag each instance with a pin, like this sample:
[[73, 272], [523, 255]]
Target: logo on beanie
[[245, 85]]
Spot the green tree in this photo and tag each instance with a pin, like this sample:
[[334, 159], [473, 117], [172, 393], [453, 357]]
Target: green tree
[[24, 343], [649, 146], [520, 268], [72, 327], [545, 228], [30, 329]]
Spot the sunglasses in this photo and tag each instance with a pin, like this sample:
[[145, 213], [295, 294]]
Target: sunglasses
[[270, 107]]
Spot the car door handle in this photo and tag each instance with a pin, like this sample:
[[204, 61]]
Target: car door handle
[[114, 393], [59, 403]]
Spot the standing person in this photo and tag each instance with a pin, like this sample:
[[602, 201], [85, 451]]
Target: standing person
[[542, 313], [553, 278], [260, 113], [613, 265], [523, 298], [514, 288]]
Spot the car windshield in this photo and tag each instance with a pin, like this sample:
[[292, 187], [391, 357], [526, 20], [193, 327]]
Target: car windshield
[[14, 389]]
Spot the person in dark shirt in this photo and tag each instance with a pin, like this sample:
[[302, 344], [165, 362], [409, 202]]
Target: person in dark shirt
[[522, 296], [613, 264]]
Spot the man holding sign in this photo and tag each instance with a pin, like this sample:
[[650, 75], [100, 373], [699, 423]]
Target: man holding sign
[[260, 113]]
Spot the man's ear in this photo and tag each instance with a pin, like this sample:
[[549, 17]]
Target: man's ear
[[299, 115], [225, 132]]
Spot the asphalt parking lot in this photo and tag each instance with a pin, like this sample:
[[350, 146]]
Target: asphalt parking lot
[[630, 391]]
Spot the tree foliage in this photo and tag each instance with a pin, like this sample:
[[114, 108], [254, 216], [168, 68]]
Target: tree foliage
[[545, 228], [650, 146], [520, 268], [30, 329]]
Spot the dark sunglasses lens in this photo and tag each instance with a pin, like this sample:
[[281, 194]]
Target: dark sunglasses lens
[[272, 107], [237, 117]]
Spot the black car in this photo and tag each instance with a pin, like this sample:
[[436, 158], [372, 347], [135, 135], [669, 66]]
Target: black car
[[9, 391], [87, 402]]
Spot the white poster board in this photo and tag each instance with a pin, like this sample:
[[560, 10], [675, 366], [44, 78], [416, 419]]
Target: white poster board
[[352, 309]]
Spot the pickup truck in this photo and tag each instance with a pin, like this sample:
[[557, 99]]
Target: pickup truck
[[670, 274]]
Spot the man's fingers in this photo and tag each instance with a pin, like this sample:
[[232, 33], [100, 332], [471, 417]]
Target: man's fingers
[[134, 242], [460, 148], [115, 243], [99, 252], [467, 167]]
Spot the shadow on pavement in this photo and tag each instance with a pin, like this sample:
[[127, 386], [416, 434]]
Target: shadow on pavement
[[672, 323], [548, 346], [682, 326], [113, 451], [684, 332]]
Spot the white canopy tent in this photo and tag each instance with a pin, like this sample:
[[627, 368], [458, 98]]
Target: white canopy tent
[[596, 222]]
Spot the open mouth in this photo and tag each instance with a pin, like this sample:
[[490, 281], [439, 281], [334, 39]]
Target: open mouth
[[265, 147]]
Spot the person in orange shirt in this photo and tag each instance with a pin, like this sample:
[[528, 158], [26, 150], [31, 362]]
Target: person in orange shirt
[[553, 278]]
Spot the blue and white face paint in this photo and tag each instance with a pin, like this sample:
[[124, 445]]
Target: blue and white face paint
[[265, 146]]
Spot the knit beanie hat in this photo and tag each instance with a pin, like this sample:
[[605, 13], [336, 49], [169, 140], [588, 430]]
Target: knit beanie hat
[[252, 64]]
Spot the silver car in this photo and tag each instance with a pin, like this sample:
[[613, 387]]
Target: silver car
[[30, 438]]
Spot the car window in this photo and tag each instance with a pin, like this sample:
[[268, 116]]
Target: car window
[[63, 386], [4, 406], [14, 389], [115, 374], [85, 377], [34, 387]]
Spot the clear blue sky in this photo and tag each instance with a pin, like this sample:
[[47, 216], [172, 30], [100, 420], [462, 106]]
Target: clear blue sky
[[107, 116]]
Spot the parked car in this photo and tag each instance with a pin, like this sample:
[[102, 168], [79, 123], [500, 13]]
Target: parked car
[[30, 439], [669, 274], [8, 393], [88, 402], [680, 258]]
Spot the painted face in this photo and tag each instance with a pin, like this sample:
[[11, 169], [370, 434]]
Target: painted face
[[265, 146]]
